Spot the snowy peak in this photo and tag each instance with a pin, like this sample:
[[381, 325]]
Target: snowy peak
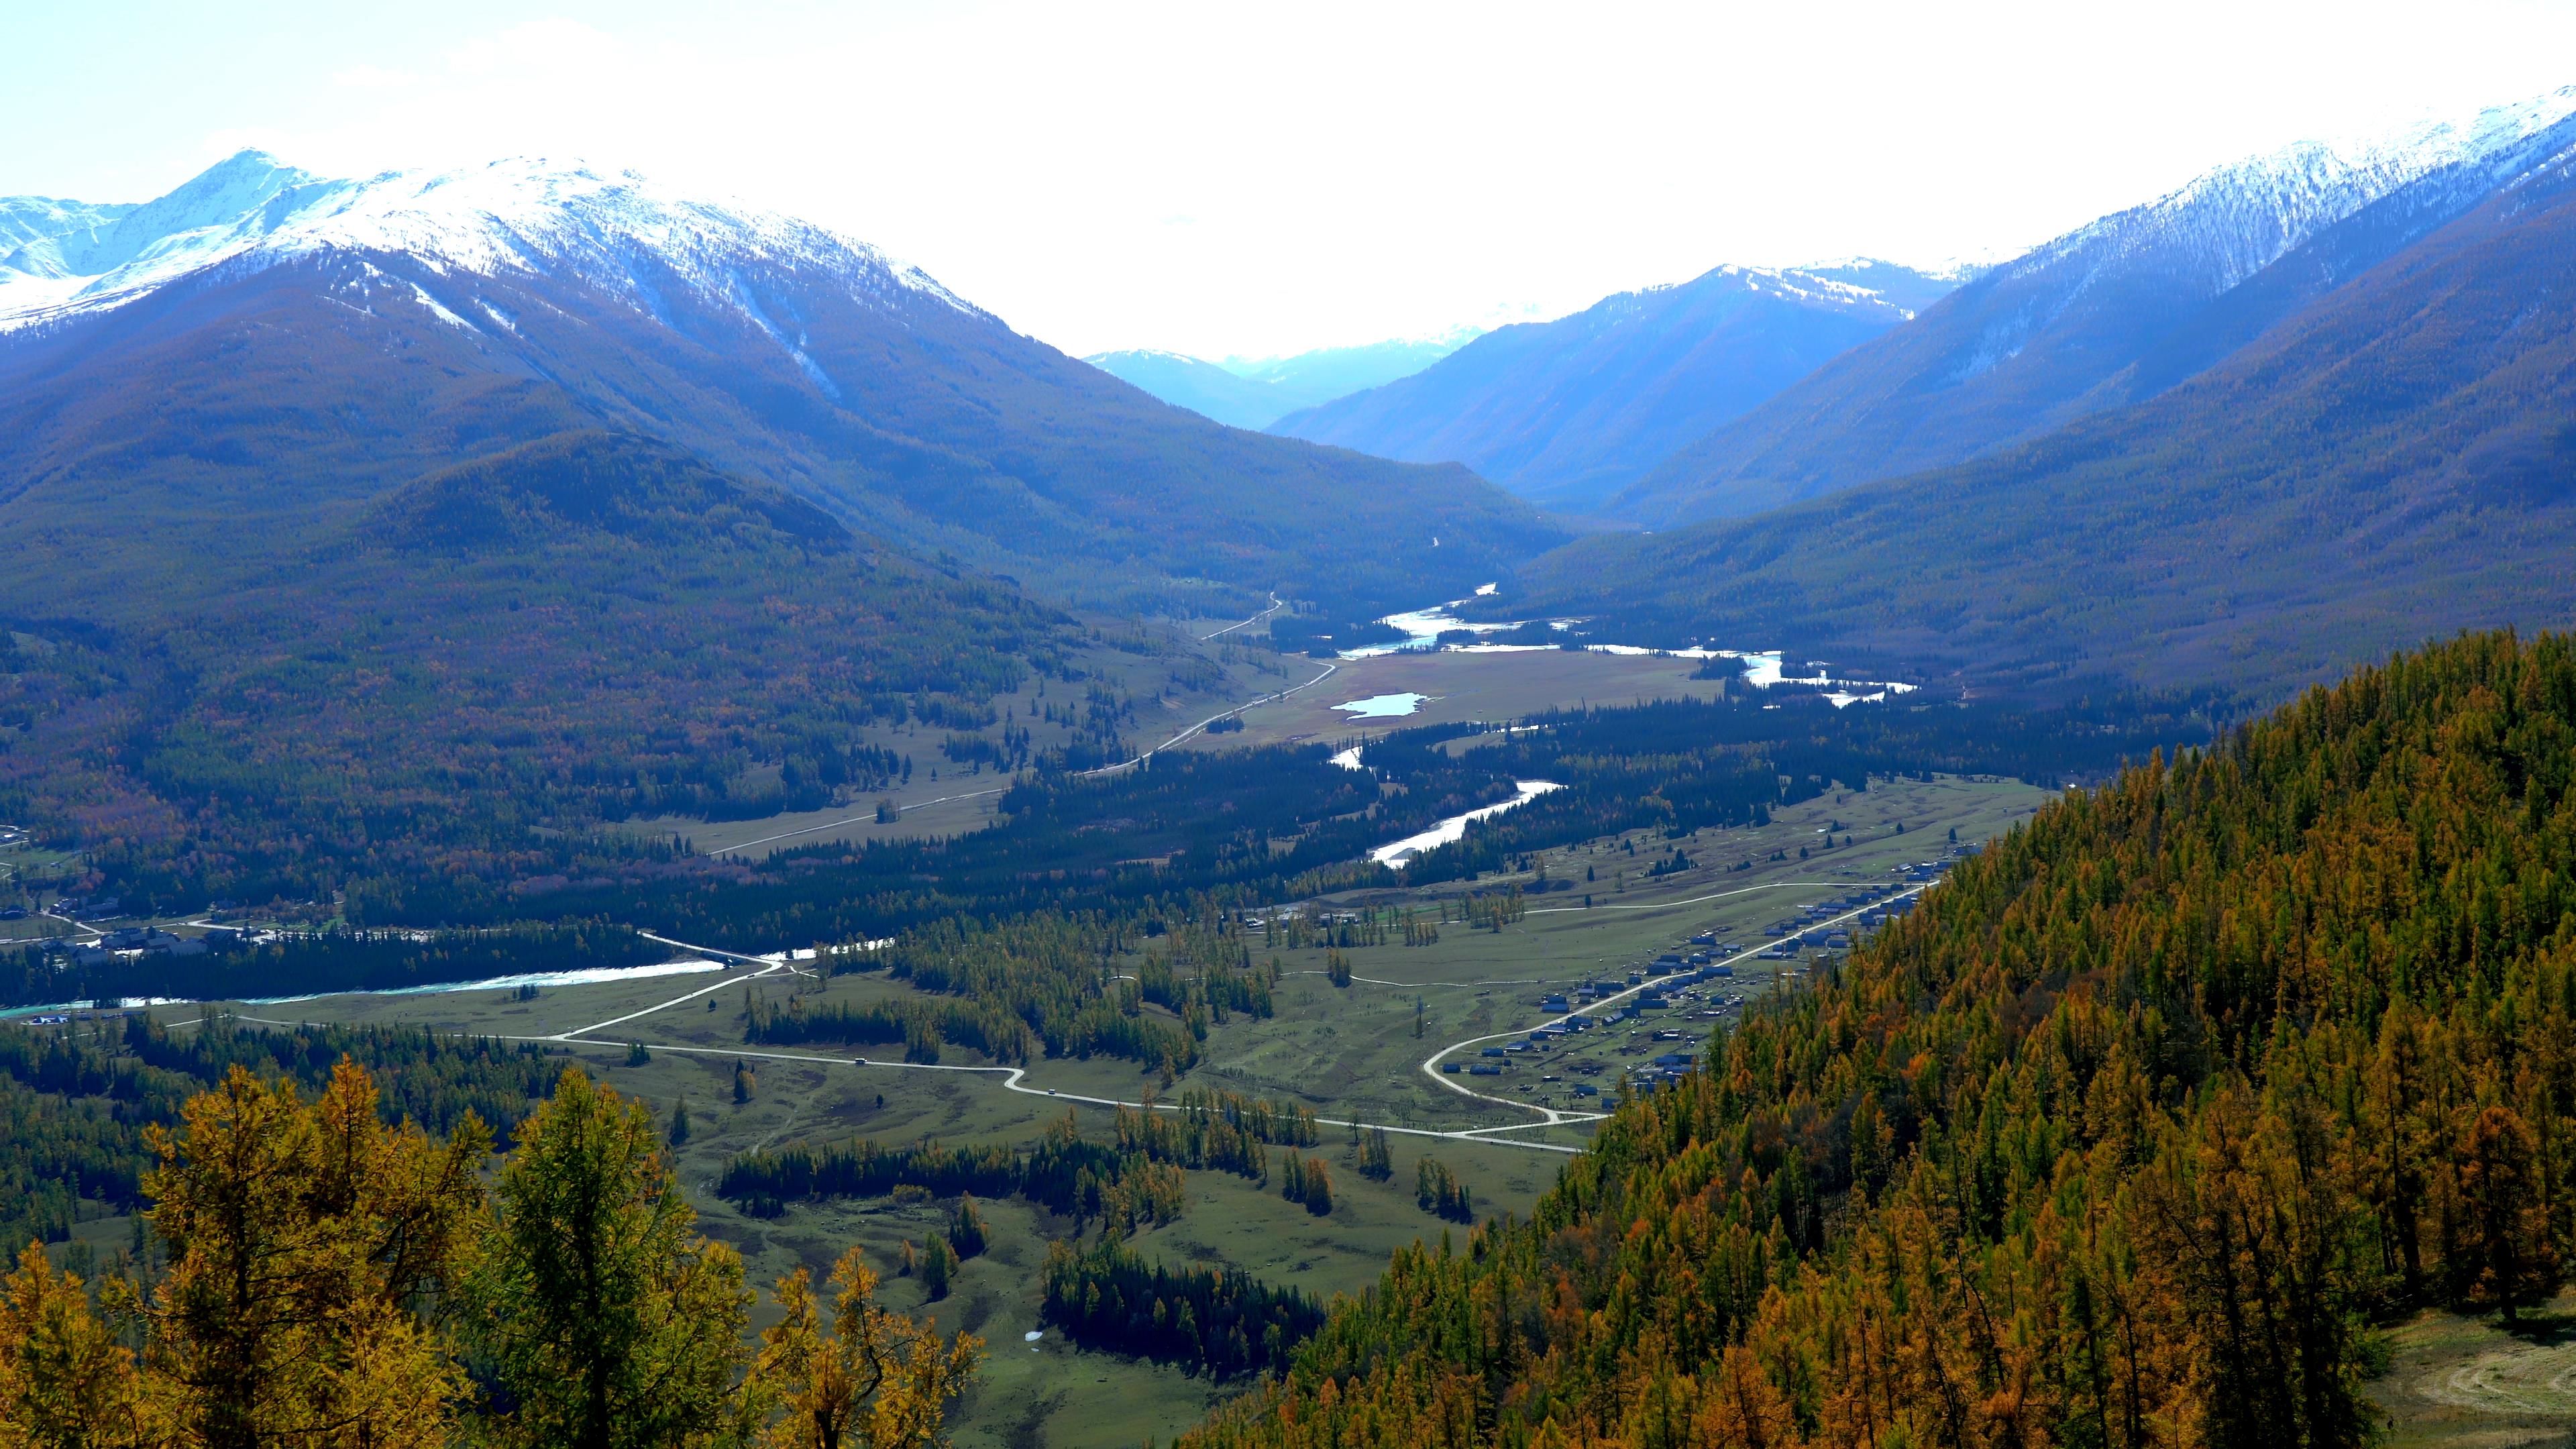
[[523, 214], [2234, 221]]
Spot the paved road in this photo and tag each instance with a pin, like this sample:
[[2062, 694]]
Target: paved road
[[1553, 1116], [1329, 671], [1016, 1079], [1275, 607]]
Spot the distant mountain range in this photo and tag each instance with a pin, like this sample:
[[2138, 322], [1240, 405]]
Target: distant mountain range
[[282, 339], [1568, 412], [2110, 314], [1254, 393], [2384, 455]]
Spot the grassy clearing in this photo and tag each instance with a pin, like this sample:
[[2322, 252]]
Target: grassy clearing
[[2470, 1383], [1461, 687]]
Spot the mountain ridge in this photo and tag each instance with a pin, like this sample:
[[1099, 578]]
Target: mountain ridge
[[2107, 314], [2387, 463], [1255, 393], [770, 347], [1567, 412]]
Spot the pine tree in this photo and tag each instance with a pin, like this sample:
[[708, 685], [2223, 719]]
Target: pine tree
[[937, 1265], [605, 1320], [679, 1135], [65, 1379], [300, 1236], [874, 1378], [966, 1231]]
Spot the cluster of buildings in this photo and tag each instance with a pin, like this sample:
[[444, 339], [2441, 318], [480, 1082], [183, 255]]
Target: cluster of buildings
[[132, 941]]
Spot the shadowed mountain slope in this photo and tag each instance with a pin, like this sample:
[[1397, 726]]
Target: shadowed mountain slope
[[334, 338], [1566, 413]]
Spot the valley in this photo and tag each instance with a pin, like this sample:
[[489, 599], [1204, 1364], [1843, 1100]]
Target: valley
[[1832, 856], [1350, 1053]]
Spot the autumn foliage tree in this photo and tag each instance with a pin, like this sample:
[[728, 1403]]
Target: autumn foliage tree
[[336, 1280], [868, 1378]]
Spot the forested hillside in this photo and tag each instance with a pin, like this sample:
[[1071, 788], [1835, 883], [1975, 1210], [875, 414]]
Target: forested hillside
[[2129, 1136], [2388, 465], [590, 626]]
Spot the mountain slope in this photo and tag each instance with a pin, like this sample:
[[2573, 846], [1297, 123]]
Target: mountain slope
[[385, 698], [2110, 314], [2126, 1138], [1256, 394], [1567, 412], [1188, 382], [2392, 462], [511, 301]]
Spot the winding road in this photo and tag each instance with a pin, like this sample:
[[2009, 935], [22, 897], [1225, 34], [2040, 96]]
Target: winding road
[[1329, 671], [1016, 1079]]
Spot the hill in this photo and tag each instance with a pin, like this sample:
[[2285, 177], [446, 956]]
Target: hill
[[1568, 412], [2388, 464], [1254, 393], [279, 340], [409, 700], [2127, 1137], [2111, 314]]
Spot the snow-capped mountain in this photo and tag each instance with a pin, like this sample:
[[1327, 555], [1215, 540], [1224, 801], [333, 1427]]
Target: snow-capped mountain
[[2389, 460], [2111, 313], [1569, 411], [261, 325], [522, 216]]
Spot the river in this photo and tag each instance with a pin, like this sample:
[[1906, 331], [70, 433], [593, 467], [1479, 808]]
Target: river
[[587, 976], [1455, 827], [1762, 667]]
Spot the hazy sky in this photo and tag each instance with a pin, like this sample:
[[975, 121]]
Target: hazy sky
[[1262, 178]]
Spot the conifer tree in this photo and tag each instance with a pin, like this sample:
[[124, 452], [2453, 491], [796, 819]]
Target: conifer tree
[[873, 1378], [606, 1321], [64, 1377], [300, 1236]]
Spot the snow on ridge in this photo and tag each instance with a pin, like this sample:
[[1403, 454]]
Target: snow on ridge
[[522, 214], [2241, 217]]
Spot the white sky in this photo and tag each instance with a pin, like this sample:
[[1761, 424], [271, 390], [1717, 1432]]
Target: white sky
[[1262, 178]]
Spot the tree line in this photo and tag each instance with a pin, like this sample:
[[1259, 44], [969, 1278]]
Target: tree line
[[78, 1105], [1217, 1322]]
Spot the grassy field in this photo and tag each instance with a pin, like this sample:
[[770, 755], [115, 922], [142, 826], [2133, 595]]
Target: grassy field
[[1460, 687], [2471, 1383], [1347, 1052]]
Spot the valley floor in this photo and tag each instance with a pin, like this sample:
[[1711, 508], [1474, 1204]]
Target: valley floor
[[1352, 1054]]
